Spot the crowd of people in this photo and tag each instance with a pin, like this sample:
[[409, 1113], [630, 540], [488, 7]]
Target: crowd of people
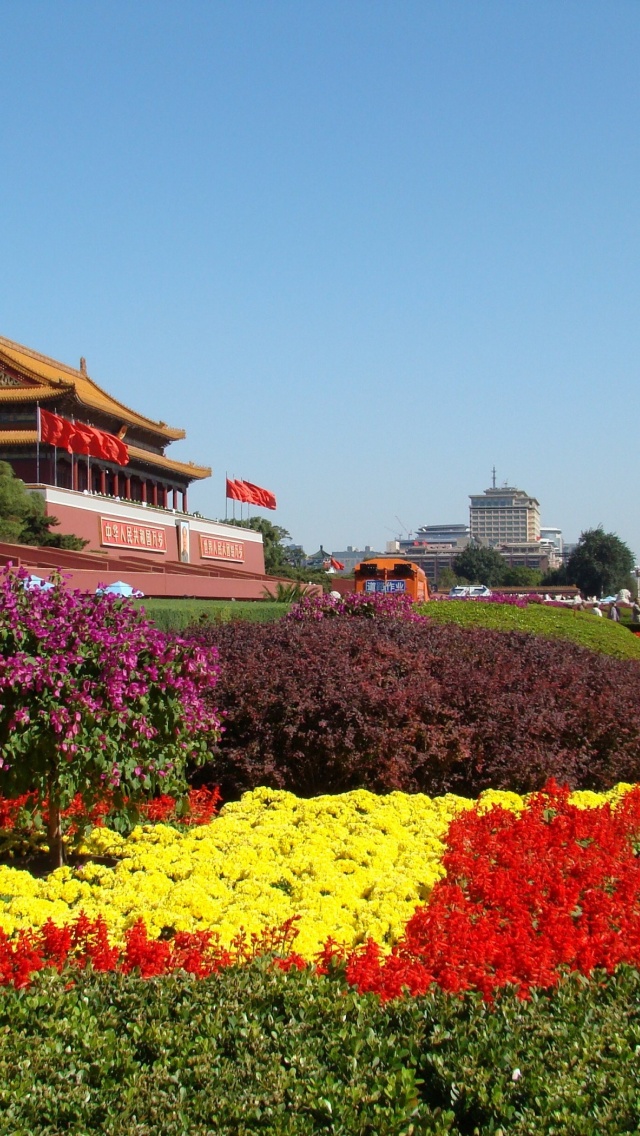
[[612, 607]]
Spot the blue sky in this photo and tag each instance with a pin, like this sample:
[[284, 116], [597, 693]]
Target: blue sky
[[361, 251]]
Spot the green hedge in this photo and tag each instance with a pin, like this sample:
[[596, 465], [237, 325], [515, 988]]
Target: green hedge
[[580, 627], [253, 1050], [177, 614]]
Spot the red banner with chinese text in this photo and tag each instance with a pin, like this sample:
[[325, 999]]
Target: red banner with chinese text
[[217, 548], [131, 534]]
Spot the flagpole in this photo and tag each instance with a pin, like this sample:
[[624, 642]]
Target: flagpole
[[38, 444], [226, 499]]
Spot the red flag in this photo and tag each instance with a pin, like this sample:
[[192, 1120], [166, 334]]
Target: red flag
[[81, 438], [245, 492], [259, 496], [54, 429], [337, 564], [78, 438], [109, 447], [238, 491]]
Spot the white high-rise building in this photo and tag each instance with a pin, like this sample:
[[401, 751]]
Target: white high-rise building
[[555, 536], [504, 516]]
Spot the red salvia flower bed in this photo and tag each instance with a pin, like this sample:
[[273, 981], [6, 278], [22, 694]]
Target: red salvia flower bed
[[526, 896], [85, 942], [202, 807]]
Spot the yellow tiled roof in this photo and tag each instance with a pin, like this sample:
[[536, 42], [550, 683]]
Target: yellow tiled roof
[[26, 394], [18, 437], [196, 472], [53, 376]]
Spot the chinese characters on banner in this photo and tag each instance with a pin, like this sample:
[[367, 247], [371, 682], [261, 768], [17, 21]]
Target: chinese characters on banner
[[214, 548], [385, 586], [123, 534]]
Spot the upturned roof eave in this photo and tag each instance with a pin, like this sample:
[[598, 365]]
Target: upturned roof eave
[[159, 461], [67, 379]]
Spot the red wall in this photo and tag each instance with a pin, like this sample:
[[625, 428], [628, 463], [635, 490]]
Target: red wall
[[87, 526], [41, 562]]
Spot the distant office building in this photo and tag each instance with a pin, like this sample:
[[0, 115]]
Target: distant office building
[[504, 516], [456, 535], [432, 558], [433, 548], [351, 556], [539, 554], [555, 536]]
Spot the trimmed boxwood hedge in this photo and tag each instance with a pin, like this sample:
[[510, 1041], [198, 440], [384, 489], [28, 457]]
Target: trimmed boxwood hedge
[[253, 1050], [178, 613], [580, 627]]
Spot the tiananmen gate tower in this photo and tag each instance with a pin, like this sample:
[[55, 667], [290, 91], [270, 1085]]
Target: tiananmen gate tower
[[108, 480]]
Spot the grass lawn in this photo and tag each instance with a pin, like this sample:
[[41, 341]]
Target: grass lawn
[[176, 614], [580, 627]]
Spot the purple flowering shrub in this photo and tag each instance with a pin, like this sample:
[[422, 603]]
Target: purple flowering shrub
[[92, 699], [509, 600], [362, 604]]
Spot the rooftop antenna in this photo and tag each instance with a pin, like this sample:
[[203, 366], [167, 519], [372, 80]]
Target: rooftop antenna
[[493, 474]]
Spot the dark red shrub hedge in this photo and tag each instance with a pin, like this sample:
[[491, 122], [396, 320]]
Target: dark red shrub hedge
[[338, 704]]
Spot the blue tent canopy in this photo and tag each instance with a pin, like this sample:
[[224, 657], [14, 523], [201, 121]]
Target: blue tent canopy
[[31, 583], [119, 588]]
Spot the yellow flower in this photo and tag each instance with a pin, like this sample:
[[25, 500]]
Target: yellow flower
[[351, 866]]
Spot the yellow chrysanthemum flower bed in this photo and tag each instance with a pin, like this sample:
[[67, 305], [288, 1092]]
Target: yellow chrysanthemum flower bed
[[350, 866]]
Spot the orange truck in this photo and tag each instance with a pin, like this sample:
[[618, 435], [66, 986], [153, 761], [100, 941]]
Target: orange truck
[[391, 577]]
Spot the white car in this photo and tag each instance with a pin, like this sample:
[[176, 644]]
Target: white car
[[469, 591]]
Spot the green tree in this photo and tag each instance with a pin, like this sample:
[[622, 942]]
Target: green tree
[[480, 565], [15, 504], [556, 577], [601, 563], [295, 555], [277, 555], [275, 560], [522, 578], [23, 519], [447, 580]]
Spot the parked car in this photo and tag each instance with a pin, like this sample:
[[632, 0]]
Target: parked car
[[469, 591]]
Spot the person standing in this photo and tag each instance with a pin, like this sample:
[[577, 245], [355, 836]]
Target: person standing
[[614, 614], [597, 610], [635, 612]]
